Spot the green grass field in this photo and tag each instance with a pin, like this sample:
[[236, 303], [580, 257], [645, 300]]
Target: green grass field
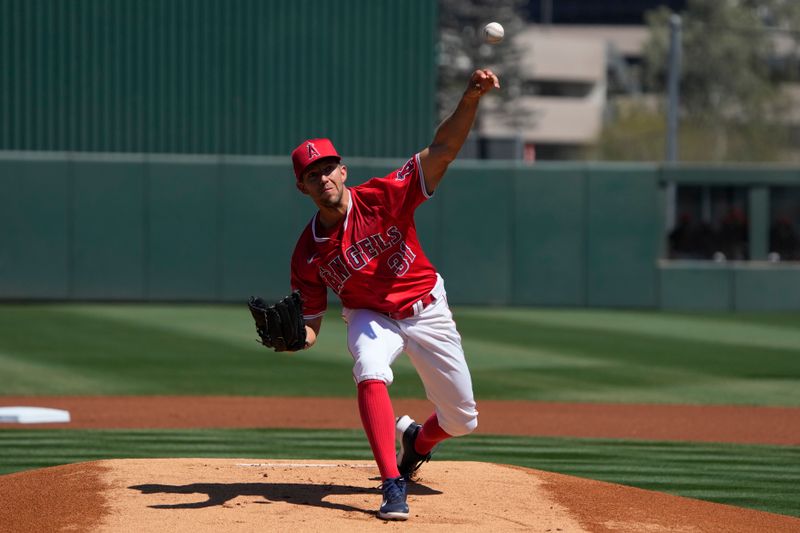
[[556, 355]]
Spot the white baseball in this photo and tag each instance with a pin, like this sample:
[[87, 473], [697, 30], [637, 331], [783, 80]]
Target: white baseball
[[493, 33]]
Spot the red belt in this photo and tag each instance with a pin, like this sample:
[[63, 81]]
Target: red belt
[[409, 312]]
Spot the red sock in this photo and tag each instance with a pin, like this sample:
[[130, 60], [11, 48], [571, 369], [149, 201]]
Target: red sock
[[377, 417], [430, 435]]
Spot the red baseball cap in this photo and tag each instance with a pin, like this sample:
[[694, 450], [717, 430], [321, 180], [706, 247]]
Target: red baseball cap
[[310, 151]]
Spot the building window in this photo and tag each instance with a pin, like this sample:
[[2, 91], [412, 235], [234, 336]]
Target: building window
[[561, 89]]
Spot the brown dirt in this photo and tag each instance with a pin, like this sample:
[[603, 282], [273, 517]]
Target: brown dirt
[[222, 495], [60, 498], [243, 495], [603, 507], [204, 495], [747, 425]]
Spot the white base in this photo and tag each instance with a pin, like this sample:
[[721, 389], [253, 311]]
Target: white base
[[32, 415]]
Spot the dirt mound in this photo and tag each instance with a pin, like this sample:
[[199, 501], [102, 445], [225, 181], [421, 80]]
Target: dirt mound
[[60, 498], [238, 495]]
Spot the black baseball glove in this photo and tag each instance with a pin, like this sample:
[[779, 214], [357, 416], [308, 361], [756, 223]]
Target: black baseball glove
[[281, 325]]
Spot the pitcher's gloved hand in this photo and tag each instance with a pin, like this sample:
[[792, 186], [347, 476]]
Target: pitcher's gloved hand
[[280, 325]]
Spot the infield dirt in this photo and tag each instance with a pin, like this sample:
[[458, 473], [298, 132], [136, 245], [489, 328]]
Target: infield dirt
[[695, 423], [241, 495], [238, 495]]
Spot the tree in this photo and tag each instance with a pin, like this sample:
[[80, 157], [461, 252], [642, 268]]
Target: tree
[[783, 18], [725, 80], [461, 49], [638, 133], [732, 106]]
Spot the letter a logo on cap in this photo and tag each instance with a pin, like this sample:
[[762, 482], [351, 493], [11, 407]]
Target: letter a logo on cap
[[309, 151]]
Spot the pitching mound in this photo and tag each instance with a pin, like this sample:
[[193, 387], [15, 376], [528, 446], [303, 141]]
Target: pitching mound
[[236, 495]]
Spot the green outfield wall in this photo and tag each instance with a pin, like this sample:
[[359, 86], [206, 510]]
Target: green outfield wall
[[144, 227], [216, 76]]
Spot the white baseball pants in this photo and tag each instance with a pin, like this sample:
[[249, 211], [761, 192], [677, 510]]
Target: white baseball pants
[[434, 347]]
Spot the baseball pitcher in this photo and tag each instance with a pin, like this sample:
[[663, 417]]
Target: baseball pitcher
[[362, 243]]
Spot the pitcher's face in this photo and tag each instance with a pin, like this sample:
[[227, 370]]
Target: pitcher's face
[[324, 181]]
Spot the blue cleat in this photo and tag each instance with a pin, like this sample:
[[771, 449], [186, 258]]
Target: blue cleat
[[394, 506]]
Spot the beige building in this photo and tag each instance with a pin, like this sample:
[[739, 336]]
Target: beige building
[[563, 96], [569, 74]]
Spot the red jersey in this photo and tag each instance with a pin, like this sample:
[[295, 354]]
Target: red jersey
[[372, 259]]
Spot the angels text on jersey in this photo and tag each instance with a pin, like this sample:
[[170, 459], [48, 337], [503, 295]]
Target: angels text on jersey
[[337, 270]]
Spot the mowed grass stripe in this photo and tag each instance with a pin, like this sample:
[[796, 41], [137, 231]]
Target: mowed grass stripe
[[119, 356], [764, 330], [759, 477], [573, 355], [633, 347]]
